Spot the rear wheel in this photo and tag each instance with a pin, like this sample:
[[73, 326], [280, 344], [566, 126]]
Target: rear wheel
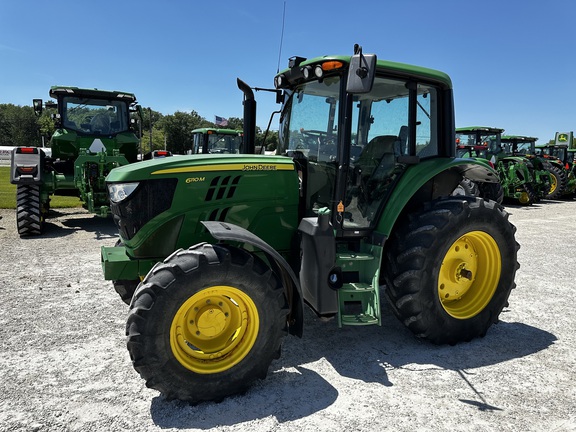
[[452, 269], [206, 323], [29, 214], [559, 182]]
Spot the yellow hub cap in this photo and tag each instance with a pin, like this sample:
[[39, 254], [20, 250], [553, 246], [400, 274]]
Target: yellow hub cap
[[214, 329], [469, 274]]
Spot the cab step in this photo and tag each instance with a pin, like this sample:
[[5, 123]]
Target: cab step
[[359, 305]]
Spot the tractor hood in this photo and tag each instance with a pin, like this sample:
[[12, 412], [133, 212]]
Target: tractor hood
[[198, 164]]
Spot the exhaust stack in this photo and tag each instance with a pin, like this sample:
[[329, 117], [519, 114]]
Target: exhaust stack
[[249, 142]]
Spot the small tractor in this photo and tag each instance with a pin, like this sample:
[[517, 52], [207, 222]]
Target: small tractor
[[220, 253], [94, 134], [514, 172], [211, 140], [541, 171]]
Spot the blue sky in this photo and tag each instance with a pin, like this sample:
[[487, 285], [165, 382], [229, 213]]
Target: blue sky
[[512, 62]]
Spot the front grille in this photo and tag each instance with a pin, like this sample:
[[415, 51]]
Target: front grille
[[150, 198]]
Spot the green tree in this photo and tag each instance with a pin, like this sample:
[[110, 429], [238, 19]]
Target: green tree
[[235, 123], [46, 125], [18, 126], [178, 128]]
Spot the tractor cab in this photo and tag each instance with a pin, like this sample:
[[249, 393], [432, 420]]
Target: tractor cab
[[479, 141], [352, 145], [519, 145], [92, 120]]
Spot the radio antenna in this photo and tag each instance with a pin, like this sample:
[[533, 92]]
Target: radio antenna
[[281, 38]]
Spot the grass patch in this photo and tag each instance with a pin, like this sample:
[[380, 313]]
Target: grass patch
[[8, 194]]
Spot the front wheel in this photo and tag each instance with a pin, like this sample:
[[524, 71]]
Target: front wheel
[[451, 269], [206, 323]]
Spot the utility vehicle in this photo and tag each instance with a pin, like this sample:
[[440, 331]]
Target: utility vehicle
[[226, 250], [94, 133]]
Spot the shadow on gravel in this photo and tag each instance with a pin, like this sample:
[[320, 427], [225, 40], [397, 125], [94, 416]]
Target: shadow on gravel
[[367, 354], [101, 227], [300, 394]]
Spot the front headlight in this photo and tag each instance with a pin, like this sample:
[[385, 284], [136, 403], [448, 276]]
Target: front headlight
[[120, 191]]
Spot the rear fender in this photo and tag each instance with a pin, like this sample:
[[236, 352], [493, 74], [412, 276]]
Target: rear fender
[[429, 180], [224, 231], [27, 165]]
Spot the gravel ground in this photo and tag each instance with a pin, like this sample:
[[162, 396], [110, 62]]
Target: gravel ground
[[64, 364]]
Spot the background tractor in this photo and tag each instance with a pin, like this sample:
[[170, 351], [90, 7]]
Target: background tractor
[[94, 133], [224, 250], [514, 171], [540, 170], [560, 157], [211, 140]]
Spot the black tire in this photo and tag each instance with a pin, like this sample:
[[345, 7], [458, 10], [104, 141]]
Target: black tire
[[29, 214], [466, 187], [460, 247], [559, 182], [184, 348], [492, 191], [126, 289]]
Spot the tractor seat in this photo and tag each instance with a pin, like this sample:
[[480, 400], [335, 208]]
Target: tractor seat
[[378, 158]]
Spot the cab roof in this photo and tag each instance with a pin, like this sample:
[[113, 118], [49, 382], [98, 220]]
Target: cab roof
[[56, 91], [385, 66]]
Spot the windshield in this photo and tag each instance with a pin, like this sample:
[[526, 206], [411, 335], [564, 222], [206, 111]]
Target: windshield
[[477, 144], [309, 124], [311, 130], [525, 148], [224, 143], [94, 116]]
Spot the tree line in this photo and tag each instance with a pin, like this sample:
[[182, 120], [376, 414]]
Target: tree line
[[19, 126]]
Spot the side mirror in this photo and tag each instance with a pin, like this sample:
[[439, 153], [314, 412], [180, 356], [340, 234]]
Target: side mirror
[[37, 103], [361, 73]]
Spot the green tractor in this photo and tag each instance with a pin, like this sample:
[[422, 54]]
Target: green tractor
[[225, 250], [540, 170], [94, 134], [515, 178], [560, 157], [212, 140]]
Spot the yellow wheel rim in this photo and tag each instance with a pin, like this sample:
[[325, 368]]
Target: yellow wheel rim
[[524, 198], [214, 329], [553, 184], [469, 274]]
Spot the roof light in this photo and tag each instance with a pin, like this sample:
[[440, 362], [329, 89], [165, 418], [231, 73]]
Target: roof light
[[318, 71], [279, 81], [332, 65]]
